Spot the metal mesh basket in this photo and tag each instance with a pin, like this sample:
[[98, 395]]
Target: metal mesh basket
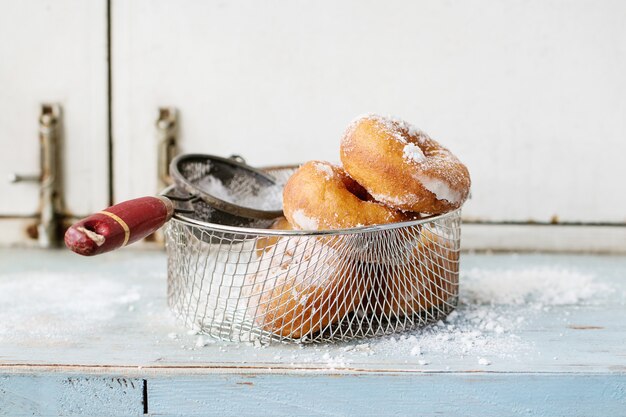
[[245, 284]]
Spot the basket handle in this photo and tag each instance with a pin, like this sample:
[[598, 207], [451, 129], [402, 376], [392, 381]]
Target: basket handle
[[118, 225]]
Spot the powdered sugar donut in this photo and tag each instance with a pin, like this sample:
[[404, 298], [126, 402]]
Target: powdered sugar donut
[[403, 167], [303, 288], [422, 278], [320, 196], [267, 243]]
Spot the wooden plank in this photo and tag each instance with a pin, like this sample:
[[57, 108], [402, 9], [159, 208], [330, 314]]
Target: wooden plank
[[315, 394], [97, 314], [70, 395], [480, 394], [79, 336]]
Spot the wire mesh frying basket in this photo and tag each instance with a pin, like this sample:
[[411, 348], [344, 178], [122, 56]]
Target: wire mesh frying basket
[[246, 284]]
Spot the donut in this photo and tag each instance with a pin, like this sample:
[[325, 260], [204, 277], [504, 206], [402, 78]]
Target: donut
[[266, 243], [321, 196], [422, 280], [403, 167], [303, 289]]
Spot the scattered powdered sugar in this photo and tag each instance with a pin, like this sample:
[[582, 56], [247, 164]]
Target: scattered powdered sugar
[[470, 330], [391, 125], [413, 131], [416, 350], [413, 153], [386, 123], [325, 168], [406, 198], [243, 192], [56, 306], [430, 164], [441, 189], [305, 222], [394, 126], [539, 286], [494, 305]]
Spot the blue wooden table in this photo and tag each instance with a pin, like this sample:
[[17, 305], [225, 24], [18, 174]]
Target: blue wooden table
[[534, 335]]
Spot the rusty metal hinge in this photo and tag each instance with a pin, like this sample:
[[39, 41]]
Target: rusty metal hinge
[[167, 129], [51, 200]]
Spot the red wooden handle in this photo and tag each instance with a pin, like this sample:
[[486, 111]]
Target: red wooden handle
[[118, 225]]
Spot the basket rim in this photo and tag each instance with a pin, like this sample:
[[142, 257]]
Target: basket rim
[[329, 232]]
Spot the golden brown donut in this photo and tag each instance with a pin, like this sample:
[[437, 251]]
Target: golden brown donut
[[419, 280], [303, 288], [402, 167], [321, 196], [266, 243]]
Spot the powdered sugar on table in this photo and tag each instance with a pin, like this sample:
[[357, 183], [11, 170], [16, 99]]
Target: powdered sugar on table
[[494, 306], [517, 313]]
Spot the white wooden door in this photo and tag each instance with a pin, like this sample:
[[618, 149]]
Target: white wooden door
[[531, 95], [53, 52]]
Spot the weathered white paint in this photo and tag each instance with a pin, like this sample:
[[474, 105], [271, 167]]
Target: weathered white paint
[[308, 394], [530, 94], [54, 51], [15, 232], [70, 395], [428, 395]]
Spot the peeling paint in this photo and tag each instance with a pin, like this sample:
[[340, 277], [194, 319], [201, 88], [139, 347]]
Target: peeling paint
[[98, 239]]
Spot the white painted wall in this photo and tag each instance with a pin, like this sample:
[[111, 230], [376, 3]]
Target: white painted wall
[[530, 94], [53, 51]]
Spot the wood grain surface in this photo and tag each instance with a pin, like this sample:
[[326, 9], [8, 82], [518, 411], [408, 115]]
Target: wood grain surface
[[96, 320]]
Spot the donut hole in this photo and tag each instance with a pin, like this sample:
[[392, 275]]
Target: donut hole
[[356, 189], [314, 199]]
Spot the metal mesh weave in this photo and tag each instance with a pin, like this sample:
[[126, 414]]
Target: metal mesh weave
[[268, 285]]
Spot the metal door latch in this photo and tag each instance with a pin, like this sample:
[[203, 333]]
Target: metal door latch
[[51, 204], [167, 126]]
